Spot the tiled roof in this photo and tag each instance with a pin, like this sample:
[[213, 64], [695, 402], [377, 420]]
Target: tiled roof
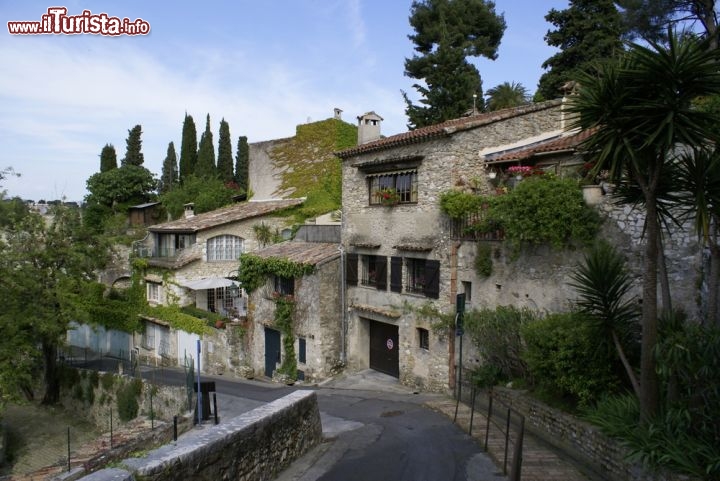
[[446, 128], [556, 144], [226, 215], [311, 253]]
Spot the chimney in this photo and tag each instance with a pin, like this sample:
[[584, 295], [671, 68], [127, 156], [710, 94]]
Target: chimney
[[189, 210], [337, 113], [368, 127]]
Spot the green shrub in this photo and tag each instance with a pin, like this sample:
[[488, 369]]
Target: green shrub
[[546, 210], [88, 393], [562, 359], [496, 335], [487, 375], [69, 376], [94, 379], [127, 400], [107, 381], [483, 260]]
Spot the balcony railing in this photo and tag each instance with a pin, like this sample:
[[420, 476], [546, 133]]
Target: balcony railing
[[475, 227]]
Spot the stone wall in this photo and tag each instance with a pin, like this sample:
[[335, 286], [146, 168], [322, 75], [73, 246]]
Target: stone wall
[[581, 440], [256, 445]]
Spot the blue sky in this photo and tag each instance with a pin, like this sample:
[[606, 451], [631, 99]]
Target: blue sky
[[265, 66]]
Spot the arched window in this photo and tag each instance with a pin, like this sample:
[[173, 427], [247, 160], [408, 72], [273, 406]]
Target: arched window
[[224, 248]]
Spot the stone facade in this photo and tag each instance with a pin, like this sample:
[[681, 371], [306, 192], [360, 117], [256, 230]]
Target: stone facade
[[443, 157], [256, 445]]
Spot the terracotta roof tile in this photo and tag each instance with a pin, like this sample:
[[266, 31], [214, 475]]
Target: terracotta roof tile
[[226, 215], [312, 253], [446, 128], [556, 144]]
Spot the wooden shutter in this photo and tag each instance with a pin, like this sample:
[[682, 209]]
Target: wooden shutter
[[432, 274], [351, 269], [396, 274], [381, 272]]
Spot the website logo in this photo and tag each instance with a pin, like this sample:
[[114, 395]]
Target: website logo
[[57, 22]]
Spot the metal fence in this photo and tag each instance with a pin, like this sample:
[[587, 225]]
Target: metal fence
[[504, 427]]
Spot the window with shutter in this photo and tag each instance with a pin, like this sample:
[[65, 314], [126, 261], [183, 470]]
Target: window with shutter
[[396, 274], [432, 275], [351, 269], [381, 270]]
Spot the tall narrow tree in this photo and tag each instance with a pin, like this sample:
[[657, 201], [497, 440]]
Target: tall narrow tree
[[133, 153], [188, 148], [225, 160], [169, 178], [108, 158], [242, 163], [205, 167], [587, 31], [446, 33]]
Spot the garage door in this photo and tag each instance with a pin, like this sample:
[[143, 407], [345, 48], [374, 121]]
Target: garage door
[[384, 348]]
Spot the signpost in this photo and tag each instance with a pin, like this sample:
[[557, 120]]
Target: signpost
[[459, 331]]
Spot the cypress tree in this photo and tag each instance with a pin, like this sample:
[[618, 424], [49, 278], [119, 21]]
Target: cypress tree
[[225, 160], [133, 152], [242, 161], [188, 148], [108, 158], [205, 167], [169, 178]]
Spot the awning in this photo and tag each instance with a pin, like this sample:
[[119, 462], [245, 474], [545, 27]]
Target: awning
[[209, 283]]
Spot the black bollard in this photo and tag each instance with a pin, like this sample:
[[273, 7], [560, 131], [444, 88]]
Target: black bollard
[[215, 407], [174, 428]]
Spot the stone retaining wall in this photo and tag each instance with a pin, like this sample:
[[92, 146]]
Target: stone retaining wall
[[256, 445], [579, 439]]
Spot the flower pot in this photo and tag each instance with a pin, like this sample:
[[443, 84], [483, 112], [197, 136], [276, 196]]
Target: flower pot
[[592, 194]]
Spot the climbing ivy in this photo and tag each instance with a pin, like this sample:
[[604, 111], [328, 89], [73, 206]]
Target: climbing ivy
[[284, 310], [254, 270], [310, 168], [177, 319]]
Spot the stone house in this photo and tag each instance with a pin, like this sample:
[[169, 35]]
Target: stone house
[[401, 257], [406, 260], [193, 261], [317, 327]]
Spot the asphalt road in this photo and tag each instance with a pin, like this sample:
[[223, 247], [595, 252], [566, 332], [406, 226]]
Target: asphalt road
[[378, 432]]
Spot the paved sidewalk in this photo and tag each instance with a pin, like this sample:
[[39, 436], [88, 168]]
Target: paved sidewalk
[[539, 463]]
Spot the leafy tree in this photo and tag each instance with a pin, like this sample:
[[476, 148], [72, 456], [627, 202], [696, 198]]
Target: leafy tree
[[640, 106], [242, 163], [169, 178], [42, 268], [121, 187], [8, 171], [506, 95], [446, 33], [108, 158], [649, 19], [205, 167], [225, 160], [206, 194], [188, 148], [587, 31], [133, 154]]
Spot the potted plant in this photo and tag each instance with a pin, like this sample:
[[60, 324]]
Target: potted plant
[[388, 196]]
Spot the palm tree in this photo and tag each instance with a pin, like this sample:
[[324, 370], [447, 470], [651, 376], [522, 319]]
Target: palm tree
[[506, 95], [641, 106], [604, 286]]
